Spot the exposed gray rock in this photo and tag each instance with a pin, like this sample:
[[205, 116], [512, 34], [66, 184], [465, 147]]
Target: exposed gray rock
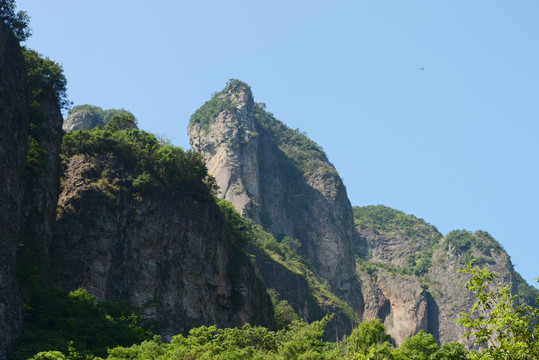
[[168, 253], [88, 117], [398, 300], [82, 120]]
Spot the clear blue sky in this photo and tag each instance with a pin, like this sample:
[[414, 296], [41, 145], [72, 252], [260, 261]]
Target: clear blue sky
[[430, 107]]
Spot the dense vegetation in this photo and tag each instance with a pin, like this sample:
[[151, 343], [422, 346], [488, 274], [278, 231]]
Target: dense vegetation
[[207, 113], [298, 340], [383, 219], [527, 294], [500, 327], [478, 246], [74, 324], [153, 162], [46, 78]]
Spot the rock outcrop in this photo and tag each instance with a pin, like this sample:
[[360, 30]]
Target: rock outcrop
[[409, 272], [166, 252], [88, 117], [280, 179], [82, 120], [398, 300]]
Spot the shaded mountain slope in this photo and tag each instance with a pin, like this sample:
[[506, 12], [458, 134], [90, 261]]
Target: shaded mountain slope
[[31, 91], [14, 132]]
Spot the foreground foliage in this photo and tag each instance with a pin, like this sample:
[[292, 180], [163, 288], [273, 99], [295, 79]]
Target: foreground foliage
[[74, 326], [75, 323], [299, 341], [503, 329]]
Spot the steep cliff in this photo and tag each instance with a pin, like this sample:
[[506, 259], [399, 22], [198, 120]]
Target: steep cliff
[[13, 140], [42, 177], [143, 228], [398, 300], [280, 179], [31, 131]]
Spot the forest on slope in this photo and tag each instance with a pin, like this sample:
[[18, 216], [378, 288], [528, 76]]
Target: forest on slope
[[116, 236]]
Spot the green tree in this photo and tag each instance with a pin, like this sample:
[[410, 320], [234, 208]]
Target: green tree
[[46, 77], [366, 337], [121, 121], [421, 346], [451, 351], [17, 22], [503, 329], [284, 314]]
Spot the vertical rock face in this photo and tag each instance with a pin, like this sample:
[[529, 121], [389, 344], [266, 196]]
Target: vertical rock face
[[398, 300], [166, 252], [43, 184], [231, 153], [281, 180], [28, 190], [13, 139]]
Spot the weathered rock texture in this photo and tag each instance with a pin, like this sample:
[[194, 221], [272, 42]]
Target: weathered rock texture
[[82, 120], [87, 117], [281, 180], [398, 300], [13, 145], [409, 272], [167, 253]]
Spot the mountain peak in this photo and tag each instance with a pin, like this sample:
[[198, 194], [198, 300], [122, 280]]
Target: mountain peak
[[239, 92]]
